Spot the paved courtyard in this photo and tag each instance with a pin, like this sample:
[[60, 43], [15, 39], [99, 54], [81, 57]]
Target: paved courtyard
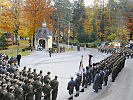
[[65, 65]]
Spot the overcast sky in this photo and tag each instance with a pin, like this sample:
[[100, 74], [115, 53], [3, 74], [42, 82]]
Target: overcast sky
[[89, 2]]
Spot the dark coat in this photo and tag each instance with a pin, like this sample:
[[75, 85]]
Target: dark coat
[[96, 82], [70, 86], [77, 83]]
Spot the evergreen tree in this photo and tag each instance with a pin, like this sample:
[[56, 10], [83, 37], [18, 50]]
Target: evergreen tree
[[94, 32]]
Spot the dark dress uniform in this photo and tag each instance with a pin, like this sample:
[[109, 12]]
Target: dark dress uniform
[[70, 87], [96, 82], [77, 84], [105, 77], [18, 59]]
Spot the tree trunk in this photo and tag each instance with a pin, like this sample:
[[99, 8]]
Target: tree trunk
[[33, 41]]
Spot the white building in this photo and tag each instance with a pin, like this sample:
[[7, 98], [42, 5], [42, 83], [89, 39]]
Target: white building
[[43, 37]]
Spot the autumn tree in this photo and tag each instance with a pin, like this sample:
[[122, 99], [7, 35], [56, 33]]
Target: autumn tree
[[35, 12]]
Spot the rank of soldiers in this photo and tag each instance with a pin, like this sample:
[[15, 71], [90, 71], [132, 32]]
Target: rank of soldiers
[[96, 74], [26, 84], [123, 51]]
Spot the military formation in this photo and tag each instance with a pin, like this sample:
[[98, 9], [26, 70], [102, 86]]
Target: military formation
[[123, 51], [25, 84], [96, 74]]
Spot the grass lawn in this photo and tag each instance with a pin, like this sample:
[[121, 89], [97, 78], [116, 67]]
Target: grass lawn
[[12, 50]]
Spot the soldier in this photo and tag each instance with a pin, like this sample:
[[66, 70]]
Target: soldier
[[38, 88], [35, 74], [50, 51], [19, 92], [54, 86], [96, 82], [101, 74], [18, 59], [29, 91], [90, 60], [4, 92], [47, 77], [105, 77], [46, 90], [24, 72], [70, 87], [10, 94], [84, 80], [40, 74], [88, 77], [77, 84]]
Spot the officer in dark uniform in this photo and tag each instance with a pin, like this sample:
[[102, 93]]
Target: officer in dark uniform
[[54, 86], [77, 84], [18, 59], [83, 81], [105, 77], [46, 90], [101, 74], [96, 82], [70, 87], [50, 51]]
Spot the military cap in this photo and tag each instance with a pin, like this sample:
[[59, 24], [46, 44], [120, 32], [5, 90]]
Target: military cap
[[4, 85], [56, 77], [71, 77], [40, 71], [48, 72], [78, 74]]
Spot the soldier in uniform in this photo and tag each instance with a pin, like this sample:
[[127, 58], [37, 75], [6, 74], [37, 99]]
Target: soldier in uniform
[[38, 88], [105, 77], [101, 74], [3, 92], [77, 84], [96, 82], [10, 94], [40, 74], [83, 81], [29, 91], [46, 90], [19, 92], [47, 77], [70, 87], [35, 74], [18, 59], [54, 86], [50, 51]]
